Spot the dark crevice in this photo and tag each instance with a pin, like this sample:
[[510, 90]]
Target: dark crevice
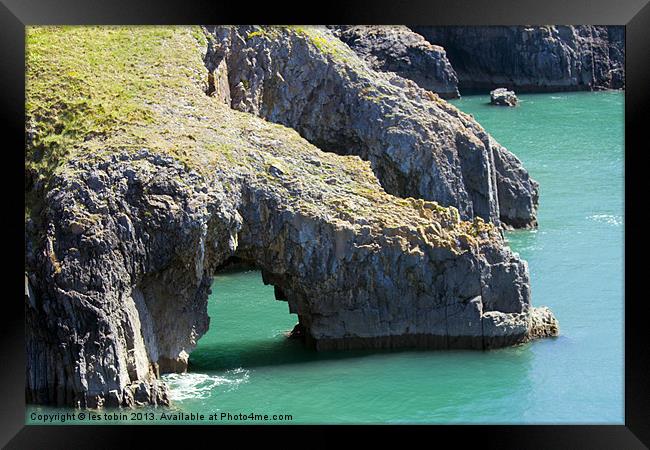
[[234, 263]]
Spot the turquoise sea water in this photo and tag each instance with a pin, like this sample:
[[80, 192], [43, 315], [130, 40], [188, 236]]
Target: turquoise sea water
[[572, 143]]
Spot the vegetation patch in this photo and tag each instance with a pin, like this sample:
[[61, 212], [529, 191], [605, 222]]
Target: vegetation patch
[[96, 90], [325, 44]]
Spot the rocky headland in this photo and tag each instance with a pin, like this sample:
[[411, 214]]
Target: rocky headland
[[533, 58], [418, 145], [155, 155]]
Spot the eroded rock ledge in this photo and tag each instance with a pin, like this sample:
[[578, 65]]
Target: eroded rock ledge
[[136, 218]]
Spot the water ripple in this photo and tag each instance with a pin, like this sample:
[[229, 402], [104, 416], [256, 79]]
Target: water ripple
[[609, 219], [184, 386]]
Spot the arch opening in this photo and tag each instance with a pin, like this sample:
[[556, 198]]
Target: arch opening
[[250, 324]]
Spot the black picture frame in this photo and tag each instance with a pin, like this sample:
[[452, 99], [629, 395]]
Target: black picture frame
[[634, 14]]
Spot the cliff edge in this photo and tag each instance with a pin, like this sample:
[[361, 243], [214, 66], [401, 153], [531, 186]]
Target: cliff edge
[[140, 186]]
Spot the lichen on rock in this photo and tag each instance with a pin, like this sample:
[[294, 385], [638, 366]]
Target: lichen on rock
[[135, 213]]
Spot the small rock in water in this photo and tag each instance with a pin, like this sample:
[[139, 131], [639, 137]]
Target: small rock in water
[[298, 332], [503, 97]]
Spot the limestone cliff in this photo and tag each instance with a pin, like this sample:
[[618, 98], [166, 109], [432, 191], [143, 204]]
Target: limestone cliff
[[140, 186], [533, 58], [417, 144], [395, 48]]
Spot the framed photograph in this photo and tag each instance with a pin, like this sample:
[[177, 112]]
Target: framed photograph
[[414, 217]]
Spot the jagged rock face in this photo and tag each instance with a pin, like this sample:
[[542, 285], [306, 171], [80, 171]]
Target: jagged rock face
[[518, 192], [136, 221], [123, 278], [503, 97], [418, 145], [381, 286], [533, 58], [395, 48]]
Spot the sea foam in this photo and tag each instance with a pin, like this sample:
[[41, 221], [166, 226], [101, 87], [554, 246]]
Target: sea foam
[[184, 386], [609, 219]]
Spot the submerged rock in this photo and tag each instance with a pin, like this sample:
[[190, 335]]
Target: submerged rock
[[534, 58], [503, 97], [135, 220], [395, 48], [418, 145]]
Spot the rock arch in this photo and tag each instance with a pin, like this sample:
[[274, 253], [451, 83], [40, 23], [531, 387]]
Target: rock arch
[[136, 219], [128, 300]]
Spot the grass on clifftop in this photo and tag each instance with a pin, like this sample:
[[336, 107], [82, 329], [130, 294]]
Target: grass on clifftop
[[79, 88], [95, 90]]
